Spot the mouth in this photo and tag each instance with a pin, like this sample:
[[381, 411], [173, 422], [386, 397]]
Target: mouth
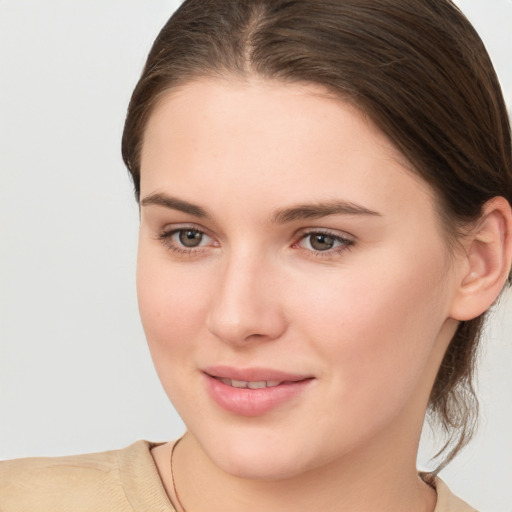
[[245, 384], [254, 375], [255, 391]]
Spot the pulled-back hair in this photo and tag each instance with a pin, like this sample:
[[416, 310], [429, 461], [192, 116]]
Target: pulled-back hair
[[416, 68]]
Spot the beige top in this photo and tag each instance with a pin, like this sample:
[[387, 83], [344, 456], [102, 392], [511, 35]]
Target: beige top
[[115, 481]]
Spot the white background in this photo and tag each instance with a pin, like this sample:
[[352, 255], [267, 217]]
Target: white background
[[75, 373]]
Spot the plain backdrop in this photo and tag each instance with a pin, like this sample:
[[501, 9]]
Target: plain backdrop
[[75, 373]]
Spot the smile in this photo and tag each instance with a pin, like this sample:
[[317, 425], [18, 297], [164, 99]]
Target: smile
[[253, 392], [250, 385]]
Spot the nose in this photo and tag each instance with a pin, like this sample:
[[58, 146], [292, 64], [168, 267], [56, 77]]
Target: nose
[[245, 306]]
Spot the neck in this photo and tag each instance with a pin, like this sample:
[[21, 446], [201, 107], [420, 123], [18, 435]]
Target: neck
[[366, 481]]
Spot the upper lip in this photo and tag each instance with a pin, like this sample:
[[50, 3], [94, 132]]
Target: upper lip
[[254, 374]]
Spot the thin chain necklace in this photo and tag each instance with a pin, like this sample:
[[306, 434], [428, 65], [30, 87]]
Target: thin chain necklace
[[174, 480], [172, 476]]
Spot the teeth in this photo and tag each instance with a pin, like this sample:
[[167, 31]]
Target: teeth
[[250, 385], [257, 385], [239, 383]]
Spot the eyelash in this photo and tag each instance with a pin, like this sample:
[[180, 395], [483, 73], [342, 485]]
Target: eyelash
[[345, 243], [166, 238]]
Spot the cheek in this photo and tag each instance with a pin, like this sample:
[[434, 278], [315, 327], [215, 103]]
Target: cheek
[[172, 303], [378, 327]]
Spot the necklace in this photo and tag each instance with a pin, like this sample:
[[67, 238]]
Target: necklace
[[182, 508], [172, 476]]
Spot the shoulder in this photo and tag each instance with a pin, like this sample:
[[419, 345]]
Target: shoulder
[[447, 501], [72, 483]]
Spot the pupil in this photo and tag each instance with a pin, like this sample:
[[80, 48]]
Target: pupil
[[322, 242], [190, 238]]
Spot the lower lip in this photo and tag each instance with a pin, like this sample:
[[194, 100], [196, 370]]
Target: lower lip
[[253, 402]]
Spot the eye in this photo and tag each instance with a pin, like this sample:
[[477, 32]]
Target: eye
[[190, 237], [185, 240], [319, 241]]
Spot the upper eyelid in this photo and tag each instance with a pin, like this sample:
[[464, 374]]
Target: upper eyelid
[[298, 234], [303, 232], [345, 240], [165, 237], [168, 233], [174, 228]]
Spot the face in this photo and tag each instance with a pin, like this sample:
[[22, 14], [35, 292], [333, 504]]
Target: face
[[294, 282]]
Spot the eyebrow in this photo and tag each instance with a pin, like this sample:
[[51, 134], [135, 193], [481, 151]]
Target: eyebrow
[[320, 210], [299, 212], [174, 203]]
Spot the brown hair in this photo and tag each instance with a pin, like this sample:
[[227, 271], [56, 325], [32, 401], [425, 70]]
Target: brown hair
[[417, 68]]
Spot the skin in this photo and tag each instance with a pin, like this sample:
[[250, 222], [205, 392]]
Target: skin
[[369, 320]]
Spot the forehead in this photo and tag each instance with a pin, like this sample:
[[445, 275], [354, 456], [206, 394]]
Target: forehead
[[262, 139], [256, 107]]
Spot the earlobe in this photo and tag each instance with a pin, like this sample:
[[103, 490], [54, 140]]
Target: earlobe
[[488, 259]]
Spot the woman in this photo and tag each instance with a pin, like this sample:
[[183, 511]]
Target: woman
[[325, 194]]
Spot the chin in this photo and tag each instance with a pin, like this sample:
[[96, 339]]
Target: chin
[[260, 468], [258, 457]]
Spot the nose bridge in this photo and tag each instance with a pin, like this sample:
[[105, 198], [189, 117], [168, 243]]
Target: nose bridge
[[245, 305]]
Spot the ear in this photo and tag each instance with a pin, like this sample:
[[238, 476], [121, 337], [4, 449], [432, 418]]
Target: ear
[[486, 262]]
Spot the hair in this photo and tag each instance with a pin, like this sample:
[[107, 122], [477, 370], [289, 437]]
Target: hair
[[416, 68]]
